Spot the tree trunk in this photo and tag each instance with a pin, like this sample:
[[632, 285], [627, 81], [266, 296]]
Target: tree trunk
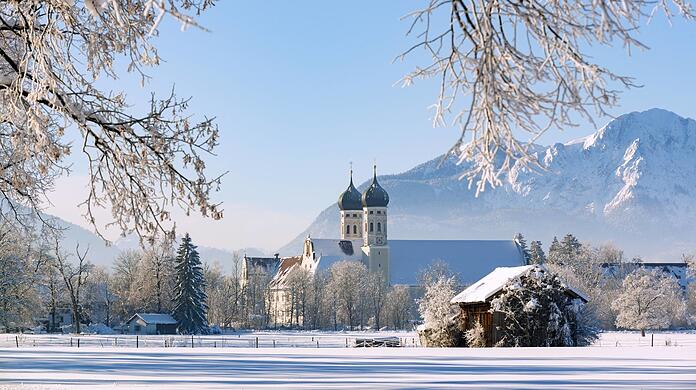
[[642, 333]]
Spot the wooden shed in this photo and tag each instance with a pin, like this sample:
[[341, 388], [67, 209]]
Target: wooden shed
[[151, 324], [475, 301]]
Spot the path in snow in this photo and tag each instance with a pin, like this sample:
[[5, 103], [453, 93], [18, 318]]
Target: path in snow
[[625, 367]]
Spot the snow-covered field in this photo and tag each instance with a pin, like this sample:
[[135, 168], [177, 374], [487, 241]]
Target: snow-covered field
[[619, 359]]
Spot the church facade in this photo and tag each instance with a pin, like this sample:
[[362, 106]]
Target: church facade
[[363, 237]]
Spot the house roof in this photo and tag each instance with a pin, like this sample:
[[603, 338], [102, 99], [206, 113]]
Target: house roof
[[492, 283], [287, 264], [469, 259], [154, 318], [266, 264]]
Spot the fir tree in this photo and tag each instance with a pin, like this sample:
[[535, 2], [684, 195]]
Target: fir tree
[[189, 293], [536, 252], [522, 243]]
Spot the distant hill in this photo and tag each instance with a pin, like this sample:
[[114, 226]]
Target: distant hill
[[632, 182], [101, 254]]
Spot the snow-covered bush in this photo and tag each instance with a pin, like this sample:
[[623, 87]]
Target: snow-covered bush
[[650, 300], [439, 327], [538, 312], [476, 336], [99, 328]]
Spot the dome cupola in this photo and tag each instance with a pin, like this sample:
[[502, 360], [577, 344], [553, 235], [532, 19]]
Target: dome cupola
[[375, 195], [350, 199]]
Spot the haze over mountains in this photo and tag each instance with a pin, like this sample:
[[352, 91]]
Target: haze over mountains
[[633, 182], [101, 254]]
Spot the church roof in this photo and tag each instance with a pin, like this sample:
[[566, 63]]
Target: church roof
[[469, 259], [329, 251]]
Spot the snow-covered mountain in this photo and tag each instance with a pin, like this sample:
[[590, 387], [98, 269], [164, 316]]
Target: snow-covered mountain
[[632, 182]]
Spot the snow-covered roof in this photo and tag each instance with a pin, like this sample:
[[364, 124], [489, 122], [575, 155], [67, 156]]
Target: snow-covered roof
[[330, 251], [155, 318], [287, 264], [470, 259], [492, 283]]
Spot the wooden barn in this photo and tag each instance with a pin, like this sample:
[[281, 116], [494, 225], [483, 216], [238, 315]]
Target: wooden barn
[[151, 323], [475, 301]]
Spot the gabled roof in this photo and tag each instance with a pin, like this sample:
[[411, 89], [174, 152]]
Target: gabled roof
[[330, 251], [268, 264], [287, 264], [154, 318], [492, 283], [469, 259]]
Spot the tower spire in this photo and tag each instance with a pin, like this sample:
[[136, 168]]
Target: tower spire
[[374, 170], [351, 172]]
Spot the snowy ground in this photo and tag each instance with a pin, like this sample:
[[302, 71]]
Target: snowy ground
[[619, 359]]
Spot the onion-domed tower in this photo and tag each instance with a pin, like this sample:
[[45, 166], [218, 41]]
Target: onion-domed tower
[[350, 204], [375, 244]]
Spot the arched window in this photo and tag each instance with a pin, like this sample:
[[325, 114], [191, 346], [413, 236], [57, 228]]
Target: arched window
[[379, 227], [347, 229], [355, 229], [372, 227]]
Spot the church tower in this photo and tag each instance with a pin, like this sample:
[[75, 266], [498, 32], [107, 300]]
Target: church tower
[[350, 204], [375, 244]]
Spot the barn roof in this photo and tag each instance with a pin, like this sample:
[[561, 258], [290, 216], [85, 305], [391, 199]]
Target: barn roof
[[154, 318], [470, 259], [492, 283]]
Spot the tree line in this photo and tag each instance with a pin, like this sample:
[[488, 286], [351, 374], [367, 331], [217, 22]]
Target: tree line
[[622, 293]]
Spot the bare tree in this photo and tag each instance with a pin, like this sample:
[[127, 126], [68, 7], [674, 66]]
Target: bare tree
[[376, 291], [126, 284], [346, 284], [74, 276], [158, 264], [399, 304], [650, 299], [101, 296], [508, 67], [140, 164], [20, 264]]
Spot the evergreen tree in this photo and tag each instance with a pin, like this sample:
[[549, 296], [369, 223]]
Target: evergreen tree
[[189, 292], [536, 252], [554, 248], [522, 243], [565, 252]]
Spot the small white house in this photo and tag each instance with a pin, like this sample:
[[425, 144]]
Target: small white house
[[151, 323]]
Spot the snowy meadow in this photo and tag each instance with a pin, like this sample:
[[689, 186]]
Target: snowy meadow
[[617, 359]]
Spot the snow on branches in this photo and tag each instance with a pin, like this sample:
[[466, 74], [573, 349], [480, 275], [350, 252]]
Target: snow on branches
[[141, 166], [512, 67], [538, 312], [650, 299]]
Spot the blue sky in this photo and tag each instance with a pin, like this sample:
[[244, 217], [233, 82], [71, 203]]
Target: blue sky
[[301, 88]]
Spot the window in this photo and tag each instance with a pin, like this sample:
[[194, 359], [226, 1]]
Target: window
[[379, 227], [355, 229], [372, 227], [355, 215], [379, 212], [347, 229]]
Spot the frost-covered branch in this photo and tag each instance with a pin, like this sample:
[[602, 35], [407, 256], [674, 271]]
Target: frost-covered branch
[[510, 67], [140, 166]]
